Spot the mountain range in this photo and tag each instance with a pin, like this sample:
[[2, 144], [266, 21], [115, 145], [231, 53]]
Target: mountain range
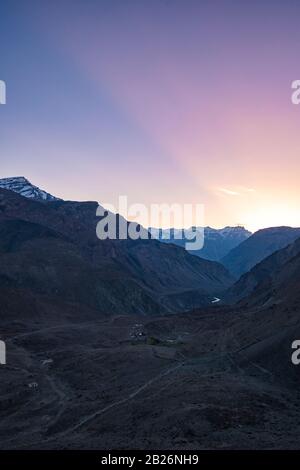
[[116, 344], [257, 247], [274, 280], [110, 275], [217, 242]]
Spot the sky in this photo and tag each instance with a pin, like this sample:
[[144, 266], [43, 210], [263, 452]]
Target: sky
[[165, 101]]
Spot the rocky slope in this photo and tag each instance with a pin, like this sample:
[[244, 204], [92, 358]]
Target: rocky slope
[[276, 269], [257, 247], [165, 277]]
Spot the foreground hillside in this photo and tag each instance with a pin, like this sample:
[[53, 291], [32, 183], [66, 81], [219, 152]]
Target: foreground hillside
[[211, 379], [216, 378]]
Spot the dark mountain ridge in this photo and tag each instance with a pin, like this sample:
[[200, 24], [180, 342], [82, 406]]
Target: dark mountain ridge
[[167, 275], [270, 271], [257, 247]]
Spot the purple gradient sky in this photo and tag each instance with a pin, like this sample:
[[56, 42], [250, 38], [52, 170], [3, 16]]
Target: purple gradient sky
[[165, 101]]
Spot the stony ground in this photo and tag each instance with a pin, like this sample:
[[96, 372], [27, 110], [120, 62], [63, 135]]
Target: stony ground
[[204, 380]]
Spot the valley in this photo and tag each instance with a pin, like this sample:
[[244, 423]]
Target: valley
[[139, 344], [191, 381], [149, 232]]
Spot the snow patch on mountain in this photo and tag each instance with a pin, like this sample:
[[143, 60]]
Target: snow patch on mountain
[[22, 186]]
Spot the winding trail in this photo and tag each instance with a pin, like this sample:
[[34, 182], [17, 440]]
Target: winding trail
[[122, 401]]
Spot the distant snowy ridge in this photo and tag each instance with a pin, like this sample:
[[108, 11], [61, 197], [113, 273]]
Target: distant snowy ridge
[[208, 231], [22, 186], [217, 242]]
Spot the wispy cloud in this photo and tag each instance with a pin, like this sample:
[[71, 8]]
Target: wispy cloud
[[237, 191], [228, 191]]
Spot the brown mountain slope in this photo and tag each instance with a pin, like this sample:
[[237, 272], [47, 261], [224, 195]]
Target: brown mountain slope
[[43, 262], [175, 278], [268, 279], [257, 247]]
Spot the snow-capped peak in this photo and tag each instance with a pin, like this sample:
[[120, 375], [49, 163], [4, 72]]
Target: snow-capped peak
[[22, 186]]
